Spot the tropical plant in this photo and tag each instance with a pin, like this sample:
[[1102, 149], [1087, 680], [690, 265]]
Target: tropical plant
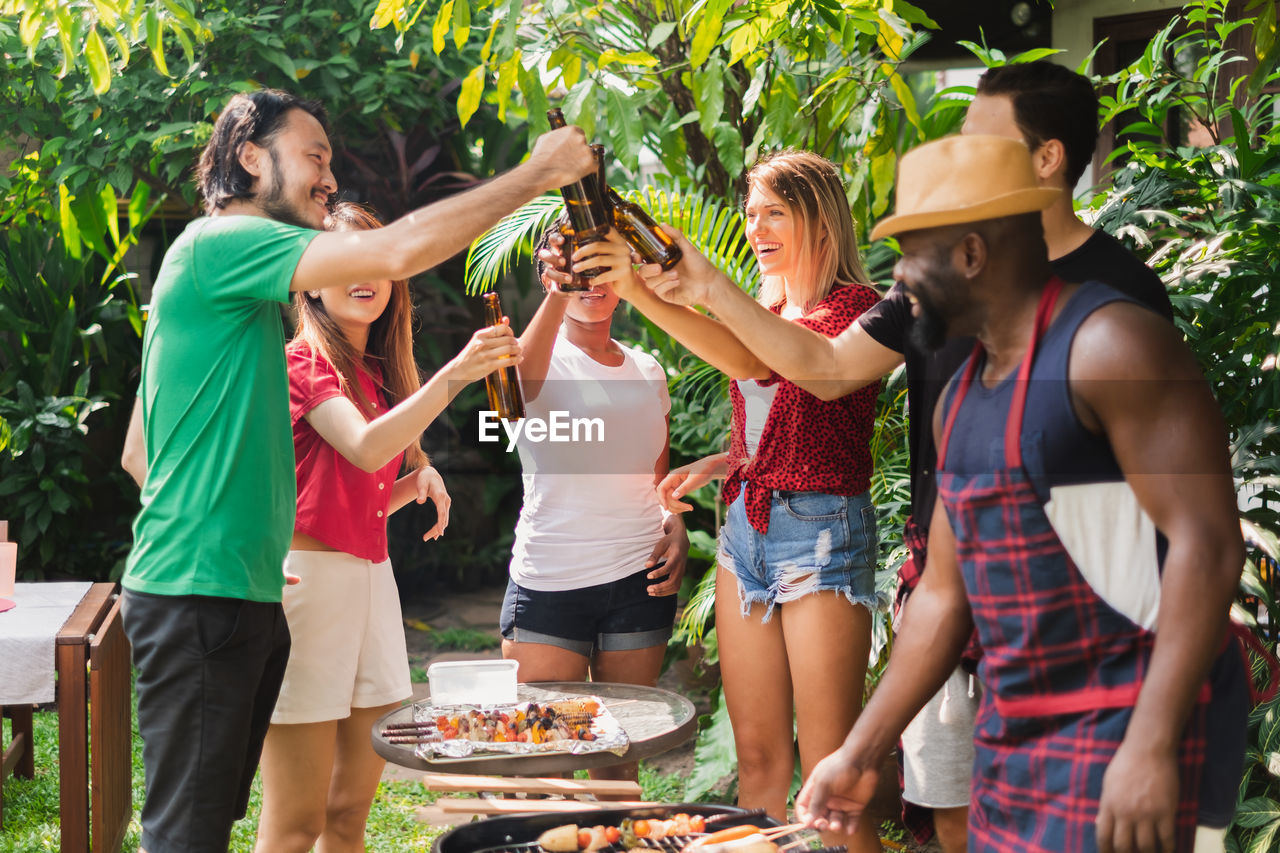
[[60, 324]]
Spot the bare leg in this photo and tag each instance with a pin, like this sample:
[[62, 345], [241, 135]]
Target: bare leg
[[545, 662], [952, 827], [757, 688], [828, 640], [636, 666], [353, 784], [297, 761]]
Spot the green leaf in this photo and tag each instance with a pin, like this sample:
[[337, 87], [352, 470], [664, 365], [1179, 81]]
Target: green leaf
[[387, 12], [535, 98], [507, 74], [508, 41], [67, 219], [461, 24], [155, 41], [660, 33], [1257, 811], [95, 52], [111, 212], [715, 755], [635, 57], [625, 131], [490, 256], [469, 96], [441, 26], [706, 35]]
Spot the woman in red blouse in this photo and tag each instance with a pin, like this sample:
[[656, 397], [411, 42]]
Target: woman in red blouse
[[358, 414], [795, 584]]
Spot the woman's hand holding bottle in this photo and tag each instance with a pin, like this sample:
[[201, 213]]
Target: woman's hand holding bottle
[[489, 349]]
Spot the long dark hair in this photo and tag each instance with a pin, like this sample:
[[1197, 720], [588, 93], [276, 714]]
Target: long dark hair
[[390, 336], [250, 117]]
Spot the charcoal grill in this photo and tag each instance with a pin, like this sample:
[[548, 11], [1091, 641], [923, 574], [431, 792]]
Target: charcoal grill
[[519, 833]]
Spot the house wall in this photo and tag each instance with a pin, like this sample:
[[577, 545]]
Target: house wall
[[1073, 23]]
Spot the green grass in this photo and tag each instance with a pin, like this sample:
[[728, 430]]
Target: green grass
[[31, 821], [464, 640]]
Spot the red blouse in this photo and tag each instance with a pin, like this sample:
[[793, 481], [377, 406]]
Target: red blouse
[[338, 503], [808, 444]]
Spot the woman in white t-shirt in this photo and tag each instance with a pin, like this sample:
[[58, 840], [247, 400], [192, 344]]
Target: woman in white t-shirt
[[597, 562]]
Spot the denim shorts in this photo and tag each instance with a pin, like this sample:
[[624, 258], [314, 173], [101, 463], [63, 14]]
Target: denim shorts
[[815, 542], [619, 616]]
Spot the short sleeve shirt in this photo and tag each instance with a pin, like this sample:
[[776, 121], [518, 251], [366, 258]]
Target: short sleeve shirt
[[218, 502], [339, 503]]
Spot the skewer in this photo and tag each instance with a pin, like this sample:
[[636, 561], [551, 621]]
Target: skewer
[[779, 831], [742, 817], [425, 724]]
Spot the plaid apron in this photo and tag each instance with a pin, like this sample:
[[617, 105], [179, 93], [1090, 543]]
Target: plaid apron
[[1062, 668]]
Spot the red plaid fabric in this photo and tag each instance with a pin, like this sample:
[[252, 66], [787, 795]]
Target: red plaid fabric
[[1061, 667]]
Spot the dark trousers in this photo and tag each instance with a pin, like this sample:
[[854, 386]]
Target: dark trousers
[[209, 670]]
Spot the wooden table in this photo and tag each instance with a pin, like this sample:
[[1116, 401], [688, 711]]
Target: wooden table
[[654, 719], [92, 666]]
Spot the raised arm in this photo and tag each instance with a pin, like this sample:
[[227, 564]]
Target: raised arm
[[1129, 372], [538, 340], [437, 232], [371, 444], [706, 338], [826, 367]]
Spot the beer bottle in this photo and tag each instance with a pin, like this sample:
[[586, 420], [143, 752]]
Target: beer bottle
[[587, 217], [502, 385], [652, 244]]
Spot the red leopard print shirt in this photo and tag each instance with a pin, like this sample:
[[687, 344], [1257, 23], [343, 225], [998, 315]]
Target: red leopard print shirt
[[808, 444]]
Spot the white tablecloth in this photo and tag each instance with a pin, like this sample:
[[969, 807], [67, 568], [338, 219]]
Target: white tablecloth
[[27, 636]]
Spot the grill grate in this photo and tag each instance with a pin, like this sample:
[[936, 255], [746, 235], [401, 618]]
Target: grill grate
[[670, 844]]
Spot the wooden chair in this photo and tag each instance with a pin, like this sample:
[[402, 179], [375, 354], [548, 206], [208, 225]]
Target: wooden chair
[[18, 756]]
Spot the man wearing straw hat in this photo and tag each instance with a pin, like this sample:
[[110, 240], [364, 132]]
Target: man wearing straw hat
[[1085, 498], [1054, 111]]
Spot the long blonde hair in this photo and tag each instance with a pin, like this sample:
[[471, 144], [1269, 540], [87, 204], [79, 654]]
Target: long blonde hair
[[390, 336], [812, 190]]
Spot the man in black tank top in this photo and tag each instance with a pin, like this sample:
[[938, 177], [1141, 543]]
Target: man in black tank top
[[1054, 111], [974, 263]]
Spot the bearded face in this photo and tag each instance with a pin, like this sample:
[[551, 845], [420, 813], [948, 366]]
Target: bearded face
[[934, 286]]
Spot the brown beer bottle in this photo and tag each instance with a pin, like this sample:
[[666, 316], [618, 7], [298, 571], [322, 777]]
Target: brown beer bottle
[[651, 243], [502, 385], [587, 217]]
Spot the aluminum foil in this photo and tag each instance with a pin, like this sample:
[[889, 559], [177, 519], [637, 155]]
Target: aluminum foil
[[609, 735]]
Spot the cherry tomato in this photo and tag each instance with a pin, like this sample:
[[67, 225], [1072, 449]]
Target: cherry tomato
[[612, 834], [698, 823], [584, 838], [641, 828]]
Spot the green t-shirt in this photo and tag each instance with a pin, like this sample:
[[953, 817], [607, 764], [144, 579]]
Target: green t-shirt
[[220, 494]]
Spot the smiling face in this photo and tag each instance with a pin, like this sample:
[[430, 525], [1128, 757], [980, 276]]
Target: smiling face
[[774, 232], [933, 284], [294, 176], [592, 306]]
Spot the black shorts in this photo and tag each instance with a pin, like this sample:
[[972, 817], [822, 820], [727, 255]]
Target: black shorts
[[610, 617], [209, 670]]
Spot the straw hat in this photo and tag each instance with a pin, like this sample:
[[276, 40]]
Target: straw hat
[[962, 179]]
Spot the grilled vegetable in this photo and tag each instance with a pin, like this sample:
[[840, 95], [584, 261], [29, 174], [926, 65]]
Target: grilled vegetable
[[561, 839]]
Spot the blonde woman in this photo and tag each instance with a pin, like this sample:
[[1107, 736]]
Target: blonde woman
[[795, 585]]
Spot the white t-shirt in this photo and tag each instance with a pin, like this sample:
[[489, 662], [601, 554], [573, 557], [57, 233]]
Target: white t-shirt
[[757, 400], [591, 513]]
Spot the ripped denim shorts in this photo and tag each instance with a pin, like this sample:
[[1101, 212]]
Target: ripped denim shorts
[[815, 542]]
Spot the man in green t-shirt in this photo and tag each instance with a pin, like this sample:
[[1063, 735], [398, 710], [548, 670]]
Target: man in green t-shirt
[[211, 445]]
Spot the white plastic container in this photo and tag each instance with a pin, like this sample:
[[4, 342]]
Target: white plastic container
[[473, 682]]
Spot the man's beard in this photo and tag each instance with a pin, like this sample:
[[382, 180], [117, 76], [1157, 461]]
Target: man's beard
[[273, 201], [929, 330]]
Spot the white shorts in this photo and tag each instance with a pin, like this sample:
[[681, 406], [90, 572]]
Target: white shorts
[[348, 638], [937, 746]]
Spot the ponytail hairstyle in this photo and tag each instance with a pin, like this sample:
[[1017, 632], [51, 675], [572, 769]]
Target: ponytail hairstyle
[[390, 336], [814, 193]]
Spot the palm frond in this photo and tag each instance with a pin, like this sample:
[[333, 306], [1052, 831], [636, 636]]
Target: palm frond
[[493, 252]]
